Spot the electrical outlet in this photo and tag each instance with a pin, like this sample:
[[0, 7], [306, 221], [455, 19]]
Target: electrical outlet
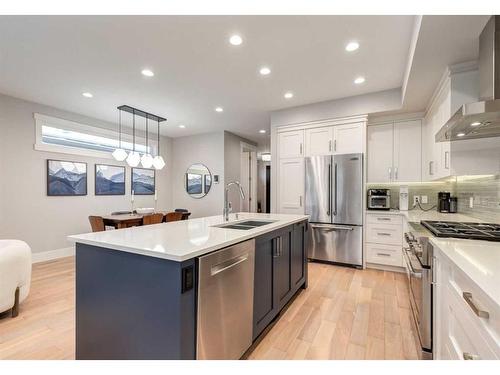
[[471, 202], [423, 199], [416, 199]]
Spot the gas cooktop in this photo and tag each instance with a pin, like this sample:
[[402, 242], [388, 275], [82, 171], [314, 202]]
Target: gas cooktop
[[471, 231]]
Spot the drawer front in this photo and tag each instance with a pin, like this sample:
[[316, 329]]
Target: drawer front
[[384, 234], [384, 219], [477, 305], [464, 339], [390, 255]]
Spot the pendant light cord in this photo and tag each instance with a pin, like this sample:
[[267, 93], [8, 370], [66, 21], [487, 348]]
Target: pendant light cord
[[147, 131], [120, 128], [158, 138], [133, 126]]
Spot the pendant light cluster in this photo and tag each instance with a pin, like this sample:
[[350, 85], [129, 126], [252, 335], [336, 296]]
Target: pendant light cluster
[[133, 158]]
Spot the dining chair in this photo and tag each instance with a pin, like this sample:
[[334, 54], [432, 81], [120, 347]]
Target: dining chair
[[97, 223], [173, 216], [152, 219]]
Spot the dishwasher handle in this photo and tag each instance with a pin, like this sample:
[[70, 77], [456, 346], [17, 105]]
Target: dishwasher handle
[[224, 266]]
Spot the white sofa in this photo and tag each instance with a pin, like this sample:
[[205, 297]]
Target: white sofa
[[15, 274]]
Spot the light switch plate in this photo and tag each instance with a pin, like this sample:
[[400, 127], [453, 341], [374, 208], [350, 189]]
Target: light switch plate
[[416, 199], [424, 199]]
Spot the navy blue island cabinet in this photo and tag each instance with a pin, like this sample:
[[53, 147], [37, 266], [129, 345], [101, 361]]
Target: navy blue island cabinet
[[131, 306]]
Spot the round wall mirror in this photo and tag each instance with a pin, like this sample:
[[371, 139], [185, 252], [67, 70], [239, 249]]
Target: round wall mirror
[[198, 181]]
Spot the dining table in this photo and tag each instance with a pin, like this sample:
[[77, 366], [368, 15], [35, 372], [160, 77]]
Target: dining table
[[126, 220]]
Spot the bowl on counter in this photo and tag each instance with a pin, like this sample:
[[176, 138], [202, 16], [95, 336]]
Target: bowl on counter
[[144, 211]]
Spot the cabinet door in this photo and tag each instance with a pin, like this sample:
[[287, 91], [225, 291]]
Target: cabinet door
[[291, 144], [282, 277], [348, 139], [298, 266], [291, 186], [380, 140], [265, 303], [319, 141], [407, 151]]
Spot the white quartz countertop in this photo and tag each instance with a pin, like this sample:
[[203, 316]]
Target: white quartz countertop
[[186, 239], [479, 260], [415, 216]]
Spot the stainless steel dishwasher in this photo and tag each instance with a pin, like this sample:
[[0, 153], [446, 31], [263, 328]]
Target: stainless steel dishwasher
[[225, 302]]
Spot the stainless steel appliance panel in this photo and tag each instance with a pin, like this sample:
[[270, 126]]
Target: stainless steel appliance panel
[[336, 243], [318, 196], [347, 192], [225, 302]]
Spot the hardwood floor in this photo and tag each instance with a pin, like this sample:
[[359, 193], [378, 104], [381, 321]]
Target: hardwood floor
[[344, 314]]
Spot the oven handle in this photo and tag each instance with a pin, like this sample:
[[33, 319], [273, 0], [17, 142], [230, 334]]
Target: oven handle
[[410, 266]]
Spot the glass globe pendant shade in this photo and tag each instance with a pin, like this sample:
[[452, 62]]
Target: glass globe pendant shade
[[120, 154], [158, 162], [147, 160], [133, 159]]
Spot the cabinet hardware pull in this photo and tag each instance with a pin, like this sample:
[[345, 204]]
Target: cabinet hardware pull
[[469, 357], [335, 145], [276, 250], [300, 200], [383, 254], [221, 267], [301, 149], [395, 173], [481, 313], [447, 159], [383, 218], [330, 145], [390, 173], [430, 168], [329, 189], [383, 234]]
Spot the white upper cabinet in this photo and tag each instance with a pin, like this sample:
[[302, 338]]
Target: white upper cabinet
[[348, 139], [394, 152], [459, 86], [380, 138], [291, 186], [319, 141], [291, 144], [338, 139], [407, 154]]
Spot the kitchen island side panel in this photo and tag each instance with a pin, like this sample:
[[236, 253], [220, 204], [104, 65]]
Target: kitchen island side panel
[[131, 306]]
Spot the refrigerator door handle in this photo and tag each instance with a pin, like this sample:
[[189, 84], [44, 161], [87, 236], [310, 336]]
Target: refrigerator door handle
[[329, 189], [332, 227], [335, 186]]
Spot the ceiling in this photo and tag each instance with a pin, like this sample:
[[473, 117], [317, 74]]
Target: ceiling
[[442, 41], [54, 59]]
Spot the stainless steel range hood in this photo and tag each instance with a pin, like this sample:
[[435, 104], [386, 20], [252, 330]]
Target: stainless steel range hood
[[480, 119]]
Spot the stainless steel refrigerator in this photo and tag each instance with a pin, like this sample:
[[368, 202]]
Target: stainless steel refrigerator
[[334, 201]]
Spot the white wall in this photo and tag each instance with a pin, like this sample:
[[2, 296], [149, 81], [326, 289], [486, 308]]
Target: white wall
[[207, 149], [26, 212]]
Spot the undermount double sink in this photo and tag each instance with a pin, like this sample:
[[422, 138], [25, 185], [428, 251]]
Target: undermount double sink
[[245, 224]]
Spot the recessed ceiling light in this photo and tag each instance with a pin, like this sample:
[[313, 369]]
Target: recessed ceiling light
[[352, 46], [264, 71], [262, 131], [460, 134], [219, 109], [476, 123], [288, 95], [87, 94], [235, 40], [359, 80], [147, 73], [182, 126]]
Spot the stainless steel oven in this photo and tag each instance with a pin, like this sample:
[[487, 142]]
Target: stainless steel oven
[[418, 258]]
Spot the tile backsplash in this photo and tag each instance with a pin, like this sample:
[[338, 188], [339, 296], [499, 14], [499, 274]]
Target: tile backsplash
[[485, 194], [484, 191], [430, 189]]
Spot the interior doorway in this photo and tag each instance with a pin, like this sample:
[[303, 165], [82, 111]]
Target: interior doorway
[[248, 177]]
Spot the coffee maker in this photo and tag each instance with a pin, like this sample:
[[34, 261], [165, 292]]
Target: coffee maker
[[443, 204]]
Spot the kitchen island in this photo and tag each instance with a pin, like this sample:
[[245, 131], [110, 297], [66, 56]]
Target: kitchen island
[[138, 289]]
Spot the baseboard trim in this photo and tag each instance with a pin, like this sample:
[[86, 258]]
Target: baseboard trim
[[52, 254]]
